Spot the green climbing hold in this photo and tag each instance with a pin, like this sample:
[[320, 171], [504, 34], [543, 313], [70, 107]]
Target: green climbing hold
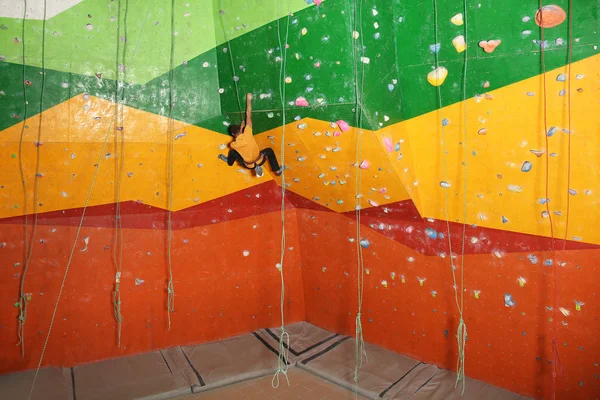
[[13, 155]]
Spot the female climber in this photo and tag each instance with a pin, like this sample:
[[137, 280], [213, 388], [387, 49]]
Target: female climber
[[244, 148]]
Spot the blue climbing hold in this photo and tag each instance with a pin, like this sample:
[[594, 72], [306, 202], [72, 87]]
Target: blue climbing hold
[[526, 166], [431, 233]]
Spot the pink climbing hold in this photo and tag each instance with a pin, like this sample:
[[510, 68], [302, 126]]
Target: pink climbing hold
[[317, 64], [383, 190], [318, 2], [343, 125], [389, 146], [364, 165], [337, 133], [301, 102]]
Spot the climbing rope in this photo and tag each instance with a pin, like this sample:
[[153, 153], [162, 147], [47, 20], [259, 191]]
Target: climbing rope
[[119, 160], [360, 353], [284, 337], [24, 299], [461, 334], [557, 366], [170, 158]]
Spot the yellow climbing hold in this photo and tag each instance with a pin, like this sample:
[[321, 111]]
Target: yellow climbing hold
[[304, 31], [459, 43], [457, 19], [288, 80], [437, 76]]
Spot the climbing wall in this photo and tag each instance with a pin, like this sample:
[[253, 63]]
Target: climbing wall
[[478, 144]]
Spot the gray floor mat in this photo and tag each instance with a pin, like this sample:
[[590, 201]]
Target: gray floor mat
[[51, 384], [151, 376], [231, 360], [441, 387], [383, 375], [305, 340]]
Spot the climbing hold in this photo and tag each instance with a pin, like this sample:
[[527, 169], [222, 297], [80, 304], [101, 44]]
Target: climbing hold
[[384, 283], [246, 253], [538, 153], [457, 19], [302, 126], [444, 184], [550, 16], [373, 204], [435, 48], [355, 35], [139, 281], [437, 76], [304, 31], [288, 80], [515, 188], [431, 233], [532, 259], [365, 60], [317, 64], [318, 2], [364, 243], [508, 300], [482, 131], [561, 78], [489, 45], [364, 165], [459, 43], [301, 102], [504, 219], [180, 135], [522, 281], [389, 146], [343, 125], [551, 131], [526, 167]]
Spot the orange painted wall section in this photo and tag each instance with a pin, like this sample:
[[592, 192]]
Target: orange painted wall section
[[507, 346], [221, 291]]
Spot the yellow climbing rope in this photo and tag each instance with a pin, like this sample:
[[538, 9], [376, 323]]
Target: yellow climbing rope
[[284, 337], [24, 298], [461, 334], [360, 353]]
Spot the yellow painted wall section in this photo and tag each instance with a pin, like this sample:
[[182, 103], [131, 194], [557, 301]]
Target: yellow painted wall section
[[72, 142], [323, 159], [514, 125]]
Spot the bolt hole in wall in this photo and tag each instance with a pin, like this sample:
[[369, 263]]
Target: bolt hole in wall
[[441, 172]]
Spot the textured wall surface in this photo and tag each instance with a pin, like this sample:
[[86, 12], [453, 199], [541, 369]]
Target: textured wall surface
[[499, 171]]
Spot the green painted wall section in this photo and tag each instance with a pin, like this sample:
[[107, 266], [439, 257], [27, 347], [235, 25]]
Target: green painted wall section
[[83, 39], [396, 37]]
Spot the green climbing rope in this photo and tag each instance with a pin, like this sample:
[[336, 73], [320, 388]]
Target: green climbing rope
[[24, 298]]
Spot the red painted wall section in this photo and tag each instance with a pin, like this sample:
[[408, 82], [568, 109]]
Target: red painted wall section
[[225, 277], [507, 346]]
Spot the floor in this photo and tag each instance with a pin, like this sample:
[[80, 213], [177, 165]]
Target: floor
[[303, 385]]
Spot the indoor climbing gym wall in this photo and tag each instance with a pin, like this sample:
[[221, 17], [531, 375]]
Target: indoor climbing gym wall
[[440, 196]]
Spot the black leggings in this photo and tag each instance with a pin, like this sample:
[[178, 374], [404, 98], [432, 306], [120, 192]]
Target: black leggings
[[268, 154]]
